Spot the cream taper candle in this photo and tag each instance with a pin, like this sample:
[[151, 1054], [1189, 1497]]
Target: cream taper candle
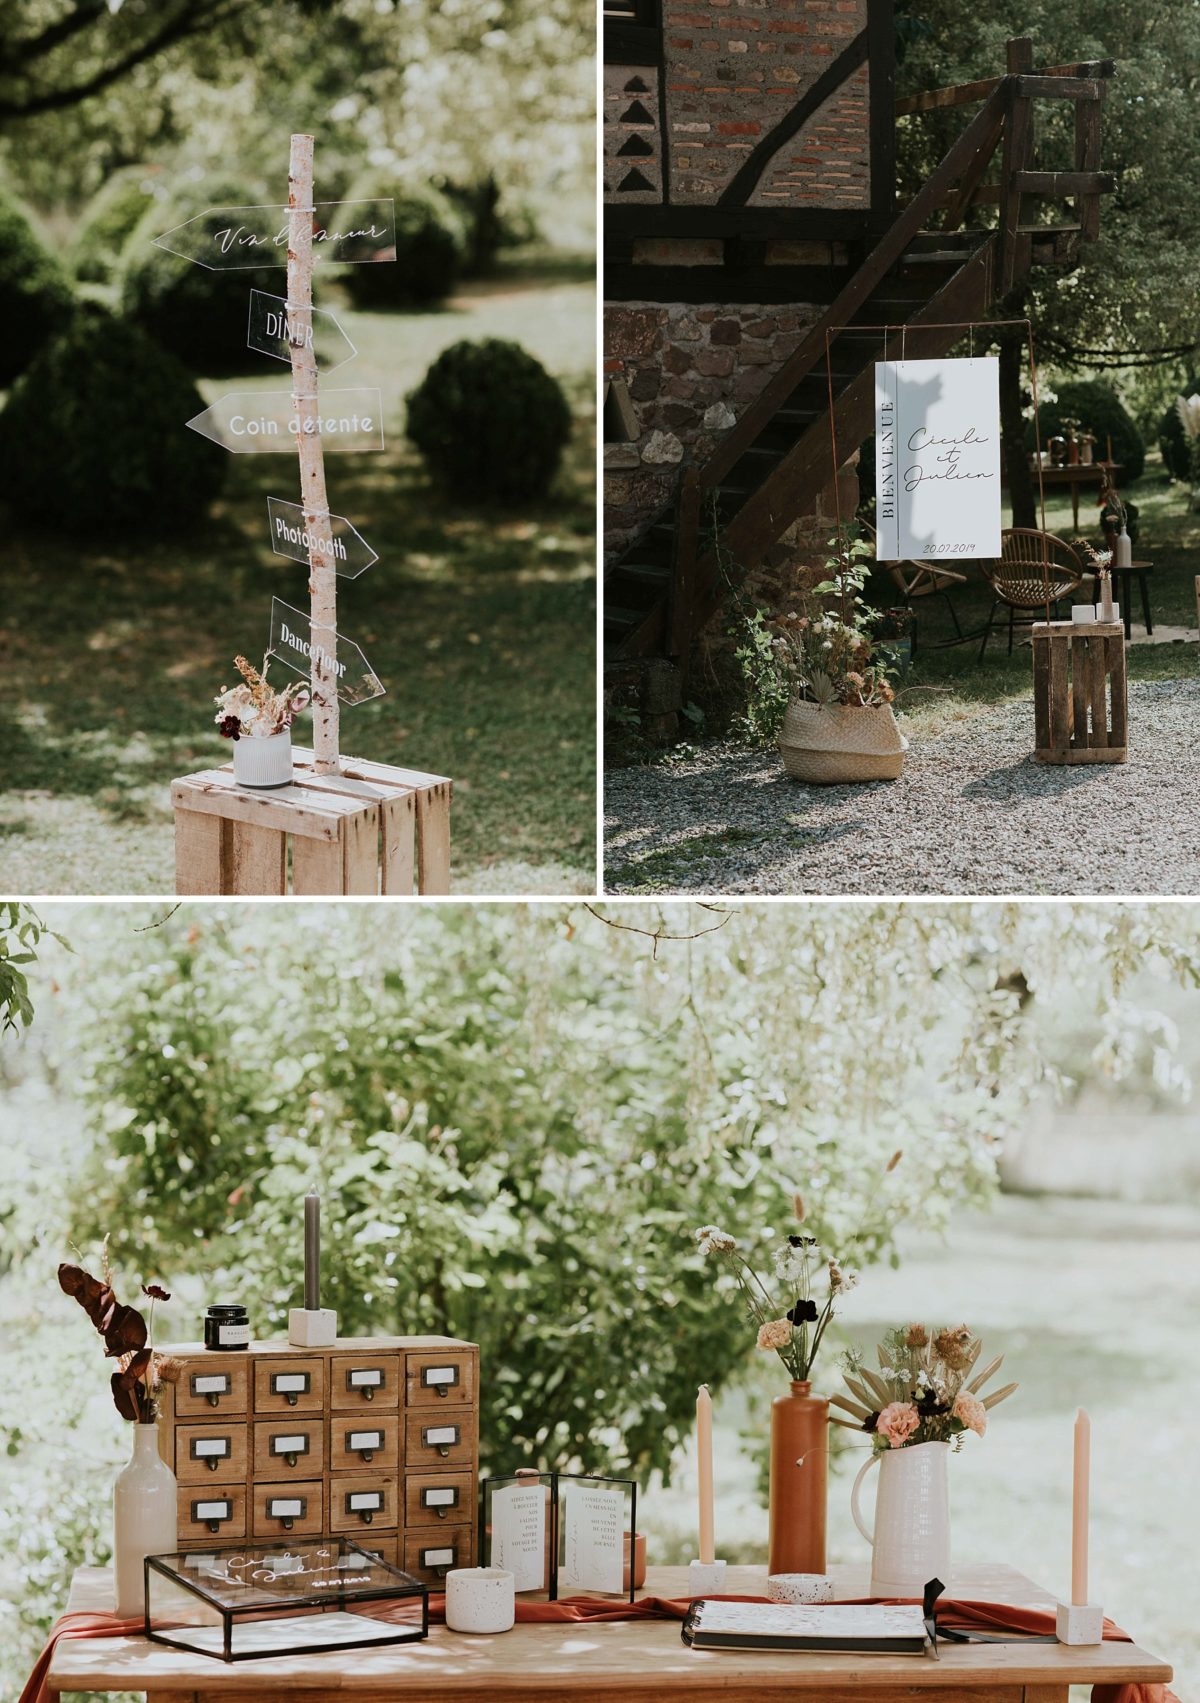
[[1079, 1508], [704, 1470]]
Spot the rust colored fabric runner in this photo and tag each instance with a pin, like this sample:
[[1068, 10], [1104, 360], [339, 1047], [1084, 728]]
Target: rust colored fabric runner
[[953, 1614]]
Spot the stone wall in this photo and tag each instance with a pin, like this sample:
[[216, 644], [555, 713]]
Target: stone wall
[[690, 373], [732, 69]]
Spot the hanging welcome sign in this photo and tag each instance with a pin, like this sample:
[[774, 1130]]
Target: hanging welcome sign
[[937, 450]]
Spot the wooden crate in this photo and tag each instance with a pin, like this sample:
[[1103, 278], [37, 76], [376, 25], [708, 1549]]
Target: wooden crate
[[375, 1438], [1080, 699], [372, 829]]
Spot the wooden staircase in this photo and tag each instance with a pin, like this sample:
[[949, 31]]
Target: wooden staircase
[[923, 281]]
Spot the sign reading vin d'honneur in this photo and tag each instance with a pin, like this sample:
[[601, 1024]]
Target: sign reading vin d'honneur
[[222, 239], [937, 454]]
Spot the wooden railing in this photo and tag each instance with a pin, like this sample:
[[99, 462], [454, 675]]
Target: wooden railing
[[1005, 122]]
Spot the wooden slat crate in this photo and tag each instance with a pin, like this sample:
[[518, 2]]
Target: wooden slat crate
[[1080, 698], [372, 829], [375, 1438]]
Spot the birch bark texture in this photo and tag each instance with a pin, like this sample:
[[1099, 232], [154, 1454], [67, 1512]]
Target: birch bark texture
[[322, 573]]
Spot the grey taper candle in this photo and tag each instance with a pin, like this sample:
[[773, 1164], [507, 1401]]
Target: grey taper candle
[[312, 1251]]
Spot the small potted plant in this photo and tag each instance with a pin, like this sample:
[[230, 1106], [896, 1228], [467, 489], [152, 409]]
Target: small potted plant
[[839, 725], [259, 722]]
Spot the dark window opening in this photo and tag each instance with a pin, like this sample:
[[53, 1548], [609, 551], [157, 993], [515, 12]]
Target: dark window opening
[[633, 32]]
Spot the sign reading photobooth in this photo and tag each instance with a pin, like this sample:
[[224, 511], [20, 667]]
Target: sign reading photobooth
[[937, 451]]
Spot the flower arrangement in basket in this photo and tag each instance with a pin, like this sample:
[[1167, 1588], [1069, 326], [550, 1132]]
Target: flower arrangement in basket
[[258, 720], [839, 724], [128, 1339], [926, 1390]]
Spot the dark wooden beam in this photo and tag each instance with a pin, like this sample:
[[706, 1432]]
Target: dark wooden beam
[[745, 180], [962, 94], [761, 224], [1034, 87], [1064, 183], [881, 61], [696, 285]]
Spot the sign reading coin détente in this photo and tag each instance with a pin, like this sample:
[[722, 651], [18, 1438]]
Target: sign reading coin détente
[[937, 452], [344, 546], [231, 238], [255, 422]]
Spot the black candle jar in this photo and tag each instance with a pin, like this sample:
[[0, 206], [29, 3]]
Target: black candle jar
[[226, 1327]]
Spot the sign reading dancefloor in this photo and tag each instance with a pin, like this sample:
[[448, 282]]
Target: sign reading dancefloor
[[937, 453], [300, 646]]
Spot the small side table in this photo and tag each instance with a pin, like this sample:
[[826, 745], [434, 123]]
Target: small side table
[[1124, 581]]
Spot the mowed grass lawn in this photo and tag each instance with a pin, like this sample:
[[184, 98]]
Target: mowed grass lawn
[[943, 686], [480, 623]]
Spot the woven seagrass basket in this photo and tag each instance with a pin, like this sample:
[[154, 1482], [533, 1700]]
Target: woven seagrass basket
[[835, 743]]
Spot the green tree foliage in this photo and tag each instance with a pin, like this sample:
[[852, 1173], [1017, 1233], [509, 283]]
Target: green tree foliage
[[93, 436], [21, 933], [429, 251], [490, 421], [108, 222], [1133, 296], [518, 1116], [1173, 441], [35, 293]]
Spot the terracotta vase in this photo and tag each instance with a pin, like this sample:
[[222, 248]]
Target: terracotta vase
[[799, 1469]]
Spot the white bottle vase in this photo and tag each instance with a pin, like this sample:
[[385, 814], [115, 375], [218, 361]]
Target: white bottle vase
[[910, 1543], [144, 1519]]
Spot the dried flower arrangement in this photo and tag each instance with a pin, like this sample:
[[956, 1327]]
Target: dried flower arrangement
[[830, 654], [255, 710], [926, 1389], [812, 1279], [128, 1340]]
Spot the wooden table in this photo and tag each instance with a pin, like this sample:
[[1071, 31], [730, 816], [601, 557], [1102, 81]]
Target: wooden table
[[630, 1662], [1074, 474]]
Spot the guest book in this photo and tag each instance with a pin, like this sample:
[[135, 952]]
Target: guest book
[[561, 1534], [868, 1628]]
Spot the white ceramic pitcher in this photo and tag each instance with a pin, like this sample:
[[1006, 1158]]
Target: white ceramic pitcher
[[910, 1543]]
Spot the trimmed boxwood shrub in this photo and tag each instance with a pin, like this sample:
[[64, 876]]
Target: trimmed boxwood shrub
[[198, 314], [1172, 439], [490, 421], [109, 220], [94, 437], [36, 298], [1099, 409], [430, 250]]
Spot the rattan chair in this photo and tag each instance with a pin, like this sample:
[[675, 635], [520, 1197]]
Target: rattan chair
[[1035, 569]]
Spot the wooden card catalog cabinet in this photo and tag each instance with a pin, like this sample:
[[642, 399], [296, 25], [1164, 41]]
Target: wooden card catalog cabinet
[[375, 1438]]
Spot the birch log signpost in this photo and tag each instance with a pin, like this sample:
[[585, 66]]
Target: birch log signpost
[[342, 825]]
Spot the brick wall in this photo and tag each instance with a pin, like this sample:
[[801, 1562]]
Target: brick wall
[[732, 69]]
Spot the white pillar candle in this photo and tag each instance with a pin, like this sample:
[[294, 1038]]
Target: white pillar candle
[[480, 1599]]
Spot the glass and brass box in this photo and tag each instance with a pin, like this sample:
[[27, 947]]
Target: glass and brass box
[[281, 1599], [373, 1438]]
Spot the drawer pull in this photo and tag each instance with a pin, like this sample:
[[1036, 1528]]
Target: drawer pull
[[439, 1378], [365, 1380], [442, 1438], [439, 1561], [212, 1513], [441, 1501], [365, 1503], [291, 1448], [211, 1385], [364, 1443], [286, 1510], [290, 1385], [211, 1450]]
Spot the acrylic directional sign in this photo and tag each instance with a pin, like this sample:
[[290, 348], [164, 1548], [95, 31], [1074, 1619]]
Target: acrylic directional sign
[[255, 422], [294, 640], [937, 456], [348, 549], [274, 331], [348, 233]]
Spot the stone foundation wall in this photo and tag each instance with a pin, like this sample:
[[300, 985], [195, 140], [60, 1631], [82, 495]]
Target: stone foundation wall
[[690, 373]]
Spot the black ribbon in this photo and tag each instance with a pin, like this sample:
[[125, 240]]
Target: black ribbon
[[955, 1635]]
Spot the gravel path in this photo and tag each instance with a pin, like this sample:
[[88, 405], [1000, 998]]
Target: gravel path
[[972, 813]]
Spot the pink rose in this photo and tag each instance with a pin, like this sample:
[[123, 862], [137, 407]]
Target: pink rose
[[897, 1423], [971, 1411]]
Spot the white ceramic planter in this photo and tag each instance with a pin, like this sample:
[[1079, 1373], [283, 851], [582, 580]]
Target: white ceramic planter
[[910, 1542], [263, 762], [480, 1599], [144, 1519]]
